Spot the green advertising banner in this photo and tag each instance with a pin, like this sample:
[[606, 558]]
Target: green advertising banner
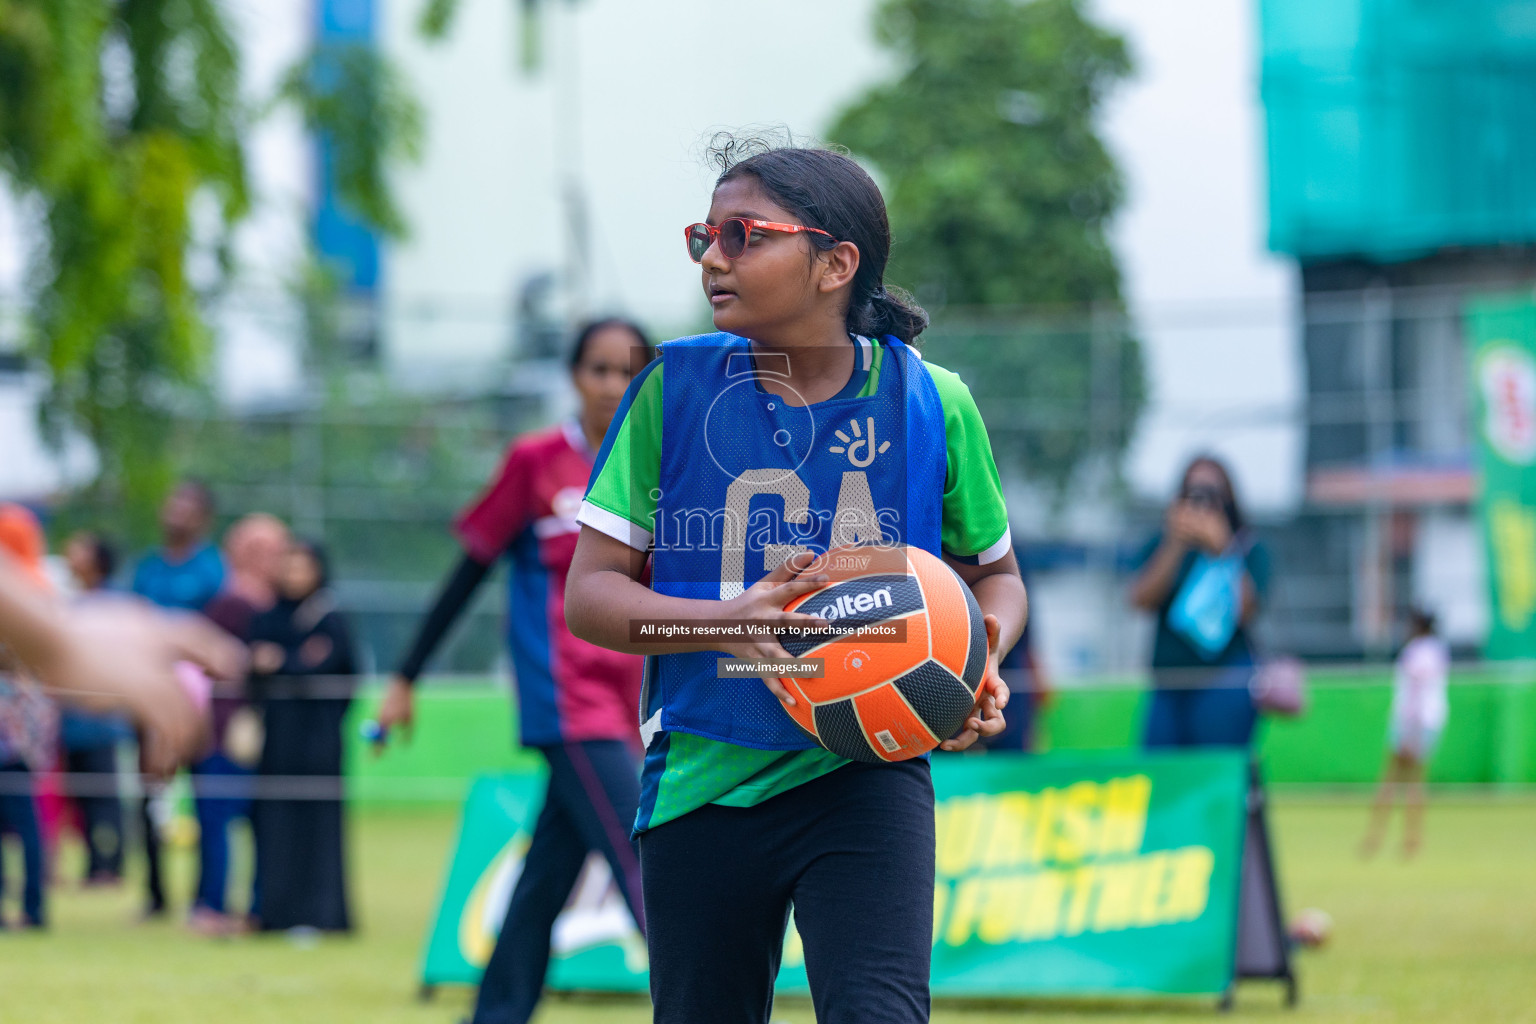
[[1057, 875], [1502, 333], [596, 946]]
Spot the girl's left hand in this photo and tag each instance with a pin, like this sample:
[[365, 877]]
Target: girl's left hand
[[987, 716]]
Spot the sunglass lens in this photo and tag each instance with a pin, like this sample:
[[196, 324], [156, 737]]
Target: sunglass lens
[[733, 238], [698, 242]]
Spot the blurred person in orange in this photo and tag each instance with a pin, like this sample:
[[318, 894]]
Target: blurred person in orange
[[28, 726]]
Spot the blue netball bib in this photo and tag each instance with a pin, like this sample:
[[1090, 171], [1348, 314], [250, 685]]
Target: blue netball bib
[[748, 479]]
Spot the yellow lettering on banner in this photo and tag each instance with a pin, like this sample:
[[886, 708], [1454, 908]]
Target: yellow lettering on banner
[[1028, 867], [1512, 531], [1120, 887], [1007, 843], [1189, 888], [963, 911], [1142, 892], [1042, 910], [1154, 890], [958, 822], [1081, 885], [1046, 801], [794, 946], [1002, 908], [1125, 815], [1075, 823]]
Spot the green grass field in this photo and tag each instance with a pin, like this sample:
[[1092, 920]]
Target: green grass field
[[1450, 936]]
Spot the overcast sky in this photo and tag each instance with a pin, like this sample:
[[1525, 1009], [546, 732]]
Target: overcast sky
[[1212, 306], [1215, 307]]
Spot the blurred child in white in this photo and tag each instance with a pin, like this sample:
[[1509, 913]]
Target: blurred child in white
[[1419, 712]]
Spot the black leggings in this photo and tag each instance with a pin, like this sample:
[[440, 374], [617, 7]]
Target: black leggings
[[853, 851], [594, 786], [101, 813]]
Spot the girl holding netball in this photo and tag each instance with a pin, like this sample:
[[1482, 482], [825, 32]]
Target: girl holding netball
[[741, 814]]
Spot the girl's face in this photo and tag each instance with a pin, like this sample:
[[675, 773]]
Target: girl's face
[[301, 574], [1207, 485], [1203, 476], [604, 372], [80, 556], [771, 285]]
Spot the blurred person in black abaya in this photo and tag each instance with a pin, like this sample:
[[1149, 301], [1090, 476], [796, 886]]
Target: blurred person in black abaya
[[302, 667]]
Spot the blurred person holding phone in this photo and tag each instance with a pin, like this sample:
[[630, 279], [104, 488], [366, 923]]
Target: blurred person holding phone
[[1204, 576]]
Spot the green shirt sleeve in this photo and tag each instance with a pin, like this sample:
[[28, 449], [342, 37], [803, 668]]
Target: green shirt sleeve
[[626, 481], [975, 528]]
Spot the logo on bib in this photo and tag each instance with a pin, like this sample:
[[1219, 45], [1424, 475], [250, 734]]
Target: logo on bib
[[861, 449]]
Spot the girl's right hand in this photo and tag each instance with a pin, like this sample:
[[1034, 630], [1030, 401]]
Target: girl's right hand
[[764, 602], [397, 711], [1182, 525]]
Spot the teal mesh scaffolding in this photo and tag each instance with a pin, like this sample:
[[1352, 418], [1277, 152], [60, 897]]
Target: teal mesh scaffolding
[[1397, 128]]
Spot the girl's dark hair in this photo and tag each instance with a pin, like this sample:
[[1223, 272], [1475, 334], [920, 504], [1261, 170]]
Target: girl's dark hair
[[828, 190], [103, 554], [1421, 622], [201, 491], [1234, 511], [315, 550], [591, 327]]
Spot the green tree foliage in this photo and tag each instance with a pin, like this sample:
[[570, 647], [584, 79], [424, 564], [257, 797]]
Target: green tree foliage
[[999, 191], [358, 100], [118, 119]]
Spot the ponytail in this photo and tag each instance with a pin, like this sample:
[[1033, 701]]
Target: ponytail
[[888, 311]]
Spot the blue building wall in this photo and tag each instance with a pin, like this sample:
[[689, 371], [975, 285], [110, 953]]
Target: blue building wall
[[344, 242]]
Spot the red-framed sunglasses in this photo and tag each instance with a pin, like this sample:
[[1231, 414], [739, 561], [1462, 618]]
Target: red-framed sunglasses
[[732, 234]]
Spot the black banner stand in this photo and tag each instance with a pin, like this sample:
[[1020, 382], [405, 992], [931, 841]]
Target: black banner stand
[[1263, 949]]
